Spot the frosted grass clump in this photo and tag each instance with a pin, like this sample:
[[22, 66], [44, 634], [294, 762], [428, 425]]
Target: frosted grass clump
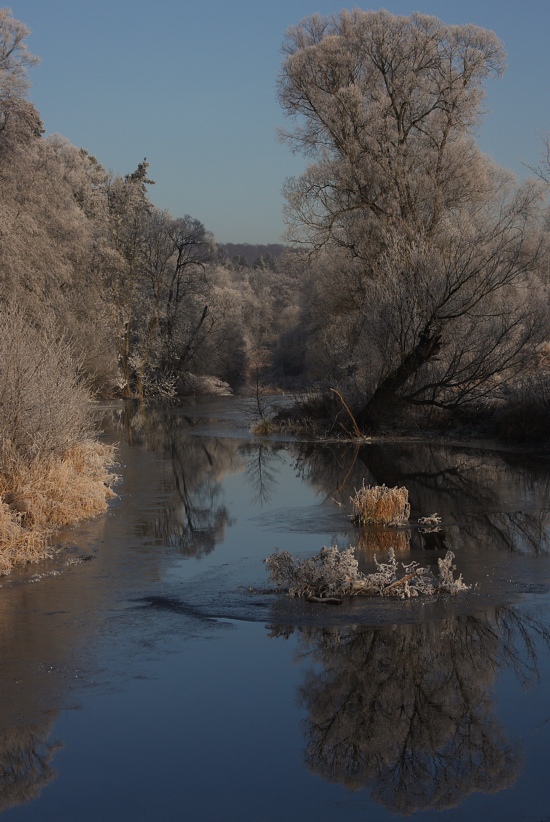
[[332, 574], [380, 505]]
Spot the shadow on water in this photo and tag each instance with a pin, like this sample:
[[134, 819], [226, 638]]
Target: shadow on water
[[398, 698]]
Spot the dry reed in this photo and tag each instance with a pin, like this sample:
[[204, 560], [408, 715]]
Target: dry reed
[[46, 493], [263, 428], [379, 505]]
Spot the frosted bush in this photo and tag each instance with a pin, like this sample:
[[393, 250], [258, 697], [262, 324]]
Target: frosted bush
[[447, 582], [329, 573], [332, 574], [44, 402]]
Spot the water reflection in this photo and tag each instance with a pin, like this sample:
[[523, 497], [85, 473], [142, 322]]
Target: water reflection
[[194, 517], [25, 763], [263, 463], [408, 711], [490, 501], [497, 499]]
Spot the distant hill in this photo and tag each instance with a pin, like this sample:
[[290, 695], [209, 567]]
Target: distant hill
[[250, 252]]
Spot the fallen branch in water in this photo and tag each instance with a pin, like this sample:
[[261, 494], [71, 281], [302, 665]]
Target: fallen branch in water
[[332, 574], [397, 582]]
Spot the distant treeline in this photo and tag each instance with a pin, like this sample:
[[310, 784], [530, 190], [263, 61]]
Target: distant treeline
[[253, 254]]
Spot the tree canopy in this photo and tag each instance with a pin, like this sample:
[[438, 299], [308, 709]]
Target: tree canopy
[[427, 252]]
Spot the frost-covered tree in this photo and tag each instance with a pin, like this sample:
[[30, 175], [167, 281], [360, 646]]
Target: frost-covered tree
[[386, 106], [188, 317], [48, 232], [427, 250], [15, 57], [127, 207]]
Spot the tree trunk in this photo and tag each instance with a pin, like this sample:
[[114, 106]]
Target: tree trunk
[[379, 405], [183, 356]]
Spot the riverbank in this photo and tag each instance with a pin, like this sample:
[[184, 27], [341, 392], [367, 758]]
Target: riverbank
[[326, 416], [42, 495]]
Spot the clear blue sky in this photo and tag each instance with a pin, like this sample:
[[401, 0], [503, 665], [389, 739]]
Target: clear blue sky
[[191, 86]]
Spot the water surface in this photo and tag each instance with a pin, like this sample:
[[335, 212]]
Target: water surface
[[149, 673]]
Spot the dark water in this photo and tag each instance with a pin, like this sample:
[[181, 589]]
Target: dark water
[[147, 672]]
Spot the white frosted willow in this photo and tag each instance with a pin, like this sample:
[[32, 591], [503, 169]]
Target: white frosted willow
[[428, 254], [385, 105]]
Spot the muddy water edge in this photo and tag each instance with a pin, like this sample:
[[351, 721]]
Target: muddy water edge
[[147, 672]]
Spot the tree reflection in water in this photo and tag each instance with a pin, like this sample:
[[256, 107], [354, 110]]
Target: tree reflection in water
[[408, 710], [25, 769], [498, 499], [262, 469], [194, 517]]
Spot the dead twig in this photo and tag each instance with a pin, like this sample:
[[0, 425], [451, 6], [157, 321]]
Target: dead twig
[[356, 429]]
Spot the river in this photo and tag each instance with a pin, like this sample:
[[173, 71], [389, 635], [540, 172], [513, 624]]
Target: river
[[149, 672]]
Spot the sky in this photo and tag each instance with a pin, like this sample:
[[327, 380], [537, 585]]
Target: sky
[[191, 86]]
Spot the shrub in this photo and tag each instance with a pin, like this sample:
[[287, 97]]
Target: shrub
[[379, 505], [333, 574], [44, 402], [314, 412], [263, 428], [51, 472], [46, 493], [330, 573]]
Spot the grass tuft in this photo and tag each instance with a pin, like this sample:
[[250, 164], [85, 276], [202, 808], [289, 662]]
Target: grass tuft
[[379, 505]]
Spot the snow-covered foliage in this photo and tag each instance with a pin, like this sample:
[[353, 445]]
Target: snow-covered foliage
[[329, 573], [332, 574]]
